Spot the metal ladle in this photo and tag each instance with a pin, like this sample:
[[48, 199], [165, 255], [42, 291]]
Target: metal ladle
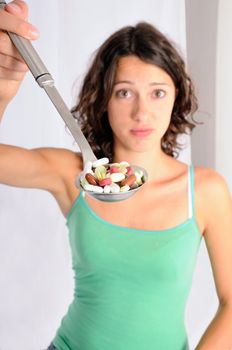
[[46, 81]]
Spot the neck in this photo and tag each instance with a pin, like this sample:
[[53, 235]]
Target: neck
[[154, 162]]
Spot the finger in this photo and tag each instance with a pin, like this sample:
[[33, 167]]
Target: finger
[[7, 48], [12, 64], [11, 23], [8, 75], [18, 8]]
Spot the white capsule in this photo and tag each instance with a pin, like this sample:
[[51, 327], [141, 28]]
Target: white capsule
[[87, 167], [101, 161], [117, 177], [125, 188], [124, 164], [114, 188], [93, 188], [106, 189]]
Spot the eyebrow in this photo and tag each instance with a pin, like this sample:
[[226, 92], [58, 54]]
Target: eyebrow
[[131, 83]]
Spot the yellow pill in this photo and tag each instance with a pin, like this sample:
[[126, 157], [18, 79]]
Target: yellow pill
[[100, 172]]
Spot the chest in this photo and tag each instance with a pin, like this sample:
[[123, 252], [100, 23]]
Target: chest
[[152, 209]]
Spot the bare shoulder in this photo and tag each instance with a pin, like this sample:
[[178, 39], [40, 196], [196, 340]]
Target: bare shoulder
[[213, 195], [67, 165], [210, 182]]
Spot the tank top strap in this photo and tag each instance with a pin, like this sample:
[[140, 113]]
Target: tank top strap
[[191, 199]]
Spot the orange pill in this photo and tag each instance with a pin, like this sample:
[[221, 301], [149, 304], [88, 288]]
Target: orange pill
[[128, 180], [91, 179]]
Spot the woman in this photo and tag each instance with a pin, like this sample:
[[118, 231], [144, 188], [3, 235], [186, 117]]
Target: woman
[[133, 260]]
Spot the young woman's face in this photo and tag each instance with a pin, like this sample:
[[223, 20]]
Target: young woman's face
[[141, 104]]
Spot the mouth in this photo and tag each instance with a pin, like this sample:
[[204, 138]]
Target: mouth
[[142, 132]]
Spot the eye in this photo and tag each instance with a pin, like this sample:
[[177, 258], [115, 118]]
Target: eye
[[159, 93], [123, 93]]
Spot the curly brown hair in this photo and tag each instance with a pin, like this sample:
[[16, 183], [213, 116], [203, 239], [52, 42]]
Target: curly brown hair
[[151, 46]]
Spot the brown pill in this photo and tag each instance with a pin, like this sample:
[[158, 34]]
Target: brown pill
[[91, 179], [128, 180]]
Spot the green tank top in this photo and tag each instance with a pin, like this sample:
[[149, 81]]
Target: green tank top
[[131, 285]]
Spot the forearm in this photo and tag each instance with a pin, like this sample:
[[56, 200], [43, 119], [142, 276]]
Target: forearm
[[218, 335]]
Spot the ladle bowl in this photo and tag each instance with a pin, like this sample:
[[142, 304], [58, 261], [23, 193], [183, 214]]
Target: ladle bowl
[[114, 197]]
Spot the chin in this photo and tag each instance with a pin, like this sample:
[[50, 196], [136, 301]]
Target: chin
[[142, 148]]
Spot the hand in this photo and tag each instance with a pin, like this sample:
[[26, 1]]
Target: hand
[[12, 67]]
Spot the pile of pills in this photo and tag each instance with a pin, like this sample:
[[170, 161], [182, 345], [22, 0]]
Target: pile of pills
[[101, 177]]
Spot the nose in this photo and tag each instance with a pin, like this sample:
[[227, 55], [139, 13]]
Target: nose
[[141, 110]]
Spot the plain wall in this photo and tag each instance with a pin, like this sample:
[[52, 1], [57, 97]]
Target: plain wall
[[209, 52], [223, 91], [201, 34]]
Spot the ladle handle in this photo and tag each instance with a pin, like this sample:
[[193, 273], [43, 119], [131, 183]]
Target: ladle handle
[[46, 81]]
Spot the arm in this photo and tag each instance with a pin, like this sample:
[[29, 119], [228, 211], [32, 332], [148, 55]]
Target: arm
[[218, 238], [36, 168], [12, 67], [50, 169]]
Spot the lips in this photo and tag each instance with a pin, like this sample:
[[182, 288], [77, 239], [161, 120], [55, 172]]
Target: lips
[[143, 132]]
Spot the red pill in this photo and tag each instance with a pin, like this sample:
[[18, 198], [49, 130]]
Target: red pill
[[104, 182], [115, 170], [129, 171]]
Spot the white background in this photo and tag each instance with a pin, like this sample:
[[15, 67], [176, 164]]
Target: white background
[[36, 281]]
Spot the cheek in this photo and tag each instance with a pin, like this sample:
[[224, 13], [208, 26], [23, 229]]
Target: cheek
[[168, 107], [110, 112], [116, 115], [112, 117], [163, 117], [163, 113]]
